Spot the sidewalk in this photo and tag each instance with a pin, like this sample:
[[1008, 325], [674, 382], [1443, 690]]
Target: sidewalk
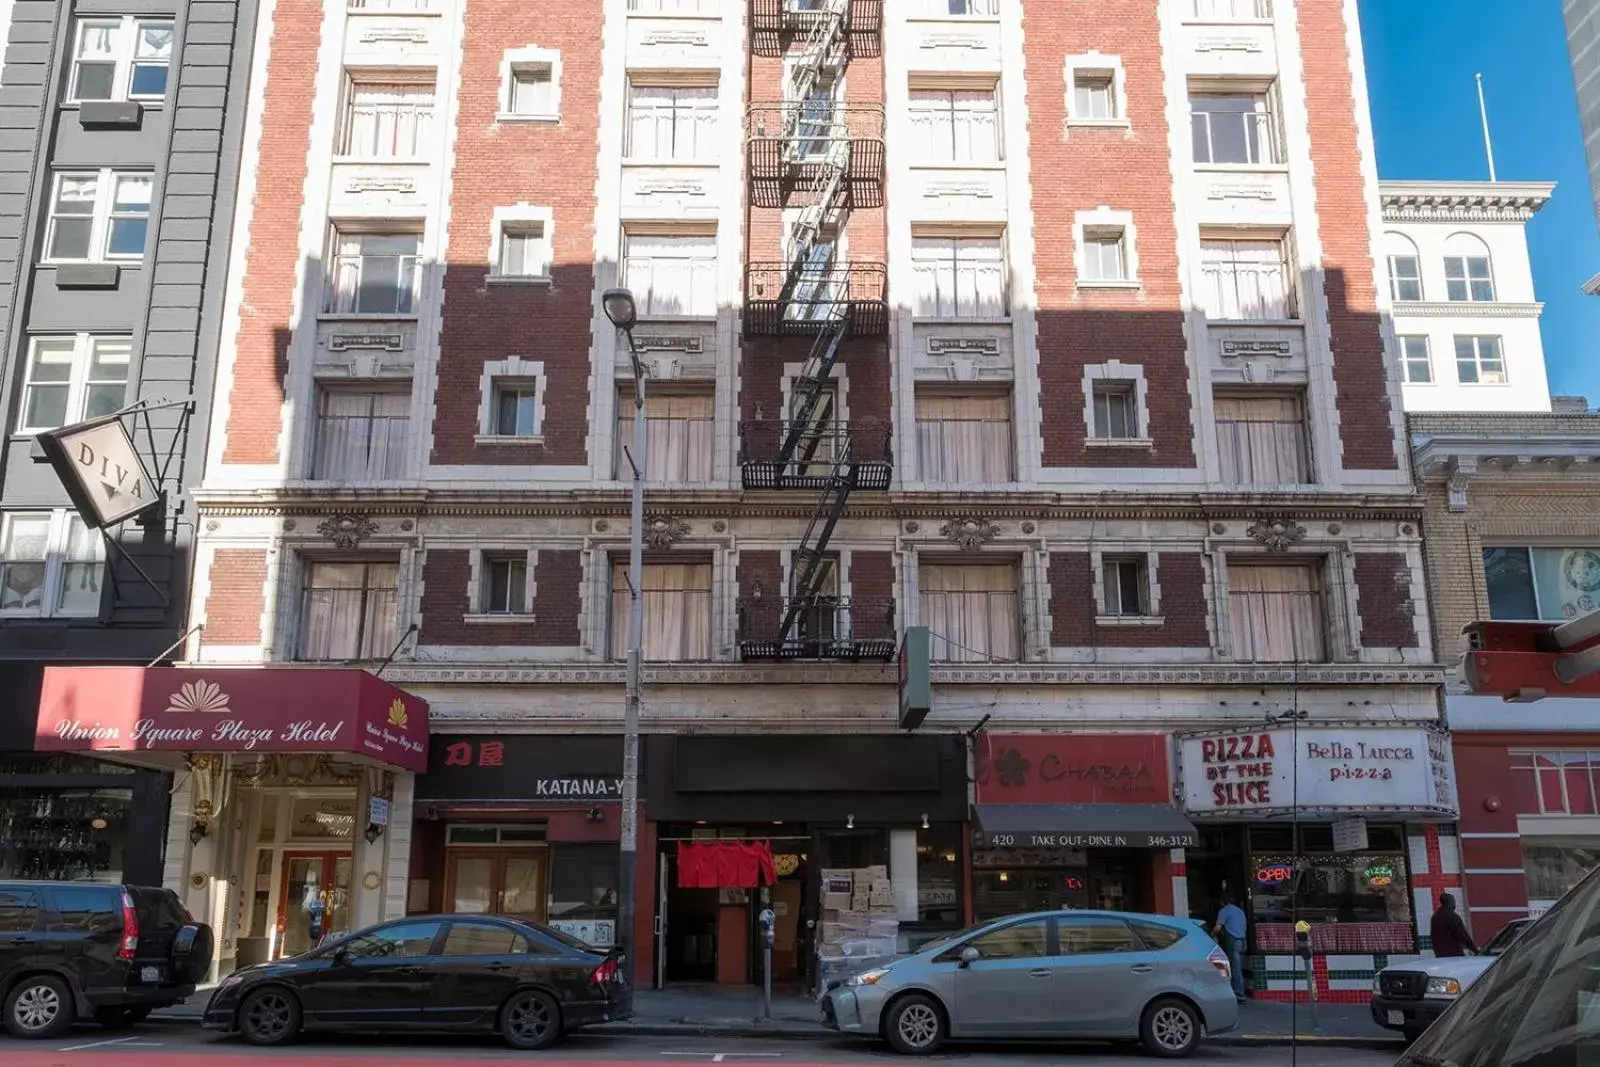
[[736, 1012]]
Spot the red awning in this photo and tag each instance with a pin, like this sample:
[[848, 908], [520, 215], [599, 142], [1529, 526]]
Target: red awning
[[263, 710]]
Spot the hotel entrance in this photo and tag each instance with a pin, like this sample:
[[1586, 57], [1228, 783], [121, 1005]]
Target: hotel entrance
[[313, 901]]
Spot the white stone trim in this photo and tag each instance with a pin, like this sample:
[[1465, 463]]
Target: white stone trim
[[527, 57], [522, 211], [1117, 371], [1104, 219], [510, 369], [478, 562], [1097, 62]]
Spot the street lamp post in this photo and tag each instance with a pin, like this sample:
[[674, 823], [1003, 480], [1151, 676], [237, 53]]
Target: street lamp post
[[623, 313]]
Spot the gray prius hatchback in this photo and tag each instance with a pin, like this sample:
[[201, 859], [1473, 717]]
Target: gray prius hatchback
[[1069, 975]]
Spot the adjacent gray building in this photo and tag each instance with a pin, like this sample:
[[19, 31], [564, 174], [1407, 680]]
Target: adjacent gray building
[[1583, 42], [120, 124]]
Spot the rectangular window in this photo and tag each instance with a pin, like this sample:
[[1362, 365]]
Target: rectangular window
[[1246, 280], [959, 277], [1544, 584], [532, 90], [964, 440], [505, 585], [679, 435], [677, 611], [1094, 95], [98, 215], [361, 436], [672, 122], [973, 611], [1233, 128], [121, 59], [960, 8], [1261, 440], [1105, 258], [51, 564], [1415, 362], [348, 610], [516, 409], [1232, 10], [1479, 361], [373, 273], [1405, 278], [387, 121], [1276, 613], [1125, 581], [671, 274], [524, 249], [1467, 278], [1116, 410], [674, 7], [73, 378], [956, 125]]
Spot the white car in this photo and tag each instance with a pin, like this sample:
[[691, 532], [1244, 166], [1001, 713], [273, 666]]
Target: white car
[[1409, 996]]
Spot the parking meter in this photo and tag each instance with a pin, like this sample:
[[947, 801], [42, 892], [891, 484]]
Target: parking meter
[[1302, 943], [1302, 940], [769, 920]]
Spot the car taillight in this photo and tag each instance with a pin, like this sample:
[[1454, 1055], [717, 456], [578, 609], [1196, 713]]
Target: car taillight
[[606, 972], [1219, 960], [188, 917], [130, 928]]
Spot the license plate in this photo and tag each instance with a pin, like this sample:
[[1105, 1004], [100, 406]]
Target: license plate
[[153, 974], [1397, 1018]]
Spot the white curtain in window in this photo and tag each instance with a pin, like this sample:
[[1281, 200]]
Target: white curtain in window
[[1276, 614], [361, 436], [964, 439], [959, 277], [388, 120], [1246, 280], [678, 434], [971, 611], [672, 275], [677, 611], [960, 126], [672, 122], [349, 611], [1261, 440]]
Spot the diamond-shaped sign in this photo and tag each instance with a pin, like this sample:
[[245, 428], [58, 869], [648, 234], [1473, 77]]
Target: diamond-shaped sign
[[101, 470]]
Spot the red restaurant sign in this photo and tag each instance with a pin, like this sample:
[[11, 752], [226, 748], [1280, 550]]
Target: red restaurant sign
[[261, 710], [1072, 769]]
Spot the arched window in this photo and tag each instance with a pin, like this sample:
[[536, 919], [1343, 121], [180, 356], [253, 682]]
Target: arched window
[[1467, 273], [1405, 267]]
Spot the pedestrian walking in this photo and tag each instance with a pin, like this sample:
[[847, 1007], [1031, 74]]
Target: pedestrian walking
[[1230, 930], [1448, 932]]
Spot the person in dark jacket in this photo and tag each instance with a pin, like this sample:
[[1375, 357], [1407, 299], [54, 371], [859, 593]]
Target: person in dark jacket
[[1449, 933]]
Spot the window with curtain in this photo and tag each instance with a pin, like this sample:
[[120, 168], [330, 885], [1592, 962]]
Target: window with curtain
[[679, 430], [373, 273], [1094, 95], [348, 610], [671, 274], [956, 125], [973, 611], [524, 250], [1236, 128], [1244, 280], [1261, 440], [1276, 613], [1104, 257], [677, 611], [387, 120], [964, 440], [532, 90], [503, 582], [959, 277], [361, 436], [676, 122], [1125, 584], [1116, 410]]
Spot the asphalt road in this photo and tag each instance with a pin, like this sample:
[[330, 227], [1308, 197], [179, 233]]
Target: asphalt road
[[187, 1046]]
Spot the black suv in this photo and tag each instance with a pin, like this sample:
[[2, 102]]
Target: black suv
[[82, 950]]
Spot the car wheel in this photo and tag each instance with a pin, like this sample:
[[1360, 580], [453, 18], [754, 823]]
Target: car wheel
[[530, 1020], [1170, 1028], [915, 1025], [269, 1016], [39, 1007], [120, 1018]]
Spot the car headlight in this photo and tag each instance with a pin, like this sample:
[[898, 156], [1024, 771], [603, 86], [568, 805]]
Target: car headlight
[[1443, 987], [871, 977], [1377, 985]]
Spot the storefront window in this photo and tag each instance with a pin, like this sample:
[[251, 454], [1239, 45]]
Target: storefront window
[[77, 835], [317, 817], [1368, 887], [1005, 880], [938, 867], [583, 892], [1555, 865]]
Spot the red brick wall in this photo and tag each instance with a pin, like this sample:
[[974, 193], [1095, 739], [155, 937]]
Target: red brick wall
[[558, 577], [1361, 376], [1181, 577], [1383, 588], [1127, 170], [254, 414], [871, 593], [490, 322], [236, 598]]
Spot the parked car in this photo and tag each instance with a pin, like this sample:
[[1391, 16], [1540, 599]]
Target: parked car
[[447, 973], [73, 951], [1053, 974], [1409, 996]]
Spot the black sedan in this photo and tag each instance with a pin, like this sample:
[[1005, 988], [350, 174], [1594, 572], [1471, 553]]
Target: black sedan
[[447, 973]]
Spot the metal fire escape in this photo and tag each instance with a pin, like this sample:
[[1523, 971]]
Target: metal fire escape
[[815, 154]]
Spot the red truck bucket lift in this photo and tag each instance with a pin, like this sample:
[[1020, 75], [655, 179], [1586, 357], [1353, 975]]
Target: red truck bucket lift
[[1526, 661]]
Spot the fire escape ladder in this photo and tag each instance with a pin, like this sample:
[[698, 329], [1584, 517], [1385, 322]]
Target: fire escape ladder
[[810, 559]]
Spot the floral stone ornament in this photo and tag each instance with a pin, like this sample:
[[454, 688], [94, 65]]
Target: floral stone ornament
[[1277, 534], [664, 531], [969, 533], [347, 531]]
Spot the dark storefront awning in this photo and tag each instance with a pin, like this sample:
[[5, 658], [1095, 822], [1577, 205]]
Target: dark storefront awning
[[250, 710], [1084, 826]]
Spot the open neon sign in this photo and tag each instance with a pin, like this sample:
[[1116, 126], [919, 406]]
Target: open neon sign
[[1274, 874]]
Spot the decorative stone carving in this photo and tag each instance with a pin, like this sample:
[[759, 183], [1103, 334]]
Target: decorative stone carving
[[719, 527], [954, 346], [1027, 527], [913, 527], [1277, 534], [601, 526], [665, 343], [407, 525], [662, 532], [1219, 528], [387, 342], [347, 531], [1234, 346], [213, 525], [1335, 529], [969, 533]]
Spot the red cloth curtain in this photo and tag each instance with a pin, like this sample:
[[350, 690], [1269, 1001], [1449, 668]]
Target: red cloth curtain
[[725, 864]]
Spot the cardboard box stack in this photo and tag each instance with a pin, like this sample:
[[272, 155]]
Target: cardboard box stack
[[859, 929]]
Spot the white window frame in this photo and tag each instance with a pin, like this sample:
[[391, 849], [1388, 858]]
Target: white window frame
[[303, 587], [1286, 256], [1455, 252], [77, 382], [343, 229], [1147, 562], [1099, 224], [513, 370], [1194, 11], [478, 585], [671, 232], [949, 87], [679, 113], [1267, 109], [395, 457], [977, 11], [1477, 340], [956, 237], [1116, 374], [55, 563], [127, 43], [1407, 358], [1097, 66], [100, 225], [424, 118], [529, 59], [505, 221]]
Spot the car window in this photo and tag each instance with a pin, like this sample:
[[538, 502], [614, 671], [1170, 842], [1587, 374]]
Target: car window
[[1502, 940], [1085, 936], [392, 942], [158, 909], [1158, 935], [19, 910], [482, 939], [1023, 940], [88, 908]]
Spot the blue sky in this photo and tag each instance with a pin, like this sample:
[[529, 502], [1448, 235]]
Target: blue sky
[[1421, 55]]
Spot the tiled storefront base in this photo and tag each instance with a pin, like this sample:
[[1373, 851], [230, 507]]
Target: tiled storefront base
[[1340, 979]]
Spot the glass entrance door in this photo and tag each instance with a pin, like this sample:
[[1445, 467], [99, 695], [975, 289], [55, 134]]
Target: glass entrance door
[[314, 900], [482, 881]]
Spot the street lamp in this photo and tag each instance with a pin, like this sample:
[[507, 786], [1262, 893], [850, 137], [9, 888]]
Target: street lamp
[[620, 308]]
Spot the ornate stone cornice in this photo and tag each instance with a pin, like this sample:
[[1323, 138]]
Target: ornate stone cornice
[[1466, 309], [1463, 201]]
